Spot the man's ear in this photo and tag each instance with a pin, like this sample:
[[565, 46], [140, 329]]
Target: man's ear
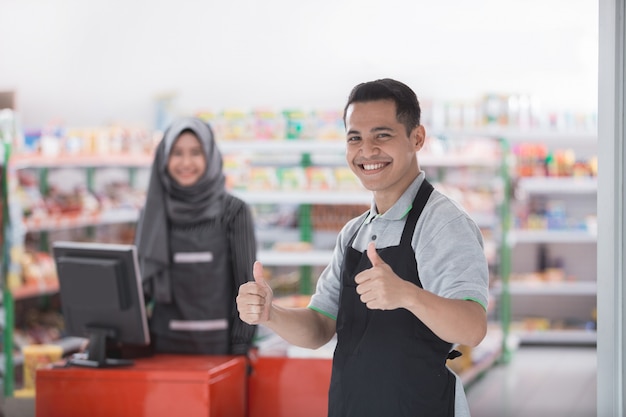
[[418, 136]]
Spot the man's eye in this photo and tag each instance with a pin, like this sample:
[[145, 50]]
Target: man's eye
[[353, 138]]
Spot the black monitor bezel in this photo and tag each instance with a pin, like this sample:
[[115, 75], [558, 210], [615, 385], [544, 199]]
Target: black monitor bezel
[[99, 338]]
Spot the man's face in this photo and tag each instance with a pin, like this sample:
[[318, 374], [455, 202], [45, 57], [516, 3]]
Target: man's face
[[378, 149]]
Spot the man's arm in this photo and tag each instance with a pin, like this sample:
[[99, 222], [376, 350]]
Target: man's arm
[[299, 326], [455, 321]]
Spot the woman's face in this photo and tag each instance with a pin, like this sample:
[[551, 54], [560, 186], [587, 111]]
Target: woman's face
[[186, 162]]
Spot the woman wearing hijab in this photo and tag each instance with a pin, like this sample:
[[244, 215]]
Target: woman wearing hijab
[[196, 245]]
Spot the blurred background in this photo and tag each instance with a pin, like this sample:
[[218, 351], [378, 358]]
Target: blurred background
[[96, 63]]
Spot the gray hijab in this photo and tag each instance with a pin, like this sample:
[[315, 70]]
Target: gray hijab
[[167, 203]]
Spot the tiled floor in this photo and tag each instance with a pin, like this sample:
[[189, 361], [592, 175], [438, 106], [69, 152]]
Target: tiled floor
[[538, 381]]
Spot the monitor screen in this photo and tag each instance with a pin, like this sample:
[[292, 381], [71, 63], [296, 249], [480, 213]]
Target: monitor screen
[[101, 298]]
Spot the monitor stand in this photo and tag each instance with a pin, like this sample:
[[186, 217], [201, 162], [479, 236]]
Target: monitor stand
[[96, 351]]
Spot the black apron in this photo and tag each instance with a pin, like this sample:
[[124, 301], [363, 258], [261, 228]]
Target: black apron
[[388, 363], [197, 319]]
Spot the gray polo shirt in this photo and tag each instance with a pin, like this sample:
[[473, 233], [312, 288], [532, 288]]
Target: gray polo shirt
[[448, 249]]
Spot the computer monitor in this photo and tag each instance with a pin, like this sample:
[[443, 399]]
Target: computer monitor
[[101, 298]]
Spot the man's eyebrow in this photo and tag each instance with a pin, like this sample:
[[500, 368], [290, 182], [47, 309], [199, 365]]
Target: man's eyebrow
[[372, 130], [381, 128]]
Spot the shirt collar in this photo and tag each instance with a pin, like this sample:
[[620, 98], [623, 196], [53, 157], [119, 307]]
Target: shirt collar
[[401, 207]]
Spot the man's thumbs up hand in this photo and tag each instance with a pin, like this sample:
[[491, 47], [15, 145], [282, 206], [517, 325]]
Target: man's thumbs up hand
[[254, 300], [379, 287], [373, 256]]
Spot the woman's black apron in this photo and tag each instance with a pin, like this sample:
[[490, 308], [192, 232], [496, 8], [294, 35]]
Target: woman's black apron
[[197, 319], [388, 363]]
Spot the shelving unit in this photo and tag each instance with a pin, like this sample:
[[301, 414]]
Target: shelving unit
[[41, 226], [553, 244], [477, 173], [7, 131]]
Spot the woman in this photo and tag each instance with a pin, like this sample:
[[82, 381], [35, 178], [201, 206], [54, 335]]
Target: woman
[[196, 245]]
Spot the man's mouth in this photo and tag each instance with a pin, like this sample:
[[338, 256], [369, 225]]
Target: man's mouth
[[373, 166]]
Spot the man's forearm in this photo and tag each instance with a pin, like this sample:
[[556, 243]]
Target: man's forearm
[[301, 326]]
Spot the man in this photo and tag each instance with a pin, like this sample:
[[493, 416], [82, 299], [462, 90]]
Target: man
[[407, 280]]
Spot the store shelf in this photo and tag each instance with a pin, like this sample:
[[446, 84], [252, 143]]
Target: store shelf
[[41, 224], [558, 337], [284, 146], [304, 197], [558, 185], [81, 220], [549, 288], [28, 291], [295, 258], [480, 367], [551, 236], [80, 161], [484, 356], [556, 218], [513, 135]]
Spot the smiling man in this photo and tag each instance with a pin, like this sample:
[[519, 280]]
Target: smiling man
[[408, 278]]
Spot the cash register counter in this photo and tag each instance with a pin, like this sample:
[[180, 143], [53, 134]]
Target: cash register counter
[[184, 385]]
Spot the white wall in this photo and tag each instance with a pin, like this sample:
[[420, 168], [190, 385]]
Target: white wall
[[90, 63]]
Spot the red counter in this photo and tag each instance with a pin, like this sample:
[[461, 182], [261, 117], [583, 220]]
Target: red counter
[[163, 385], [288, 387]]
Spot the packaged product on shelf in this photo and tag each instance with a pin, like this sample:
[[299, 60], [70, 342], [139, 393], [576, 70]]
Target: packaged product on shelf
[[27, 195], [236, 171], [285, 283], [267, 124], [495, 110], [37, 269], [291, 178], [320, 178], [263, 178], [345, 180], [235, 124], [556, 215], [292, 246], [36, 357], [329, 125], [334, 217], [297, 124]]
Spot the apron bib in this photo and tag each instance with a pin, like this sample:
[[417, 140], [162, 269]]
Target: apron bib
[[388, 363], [197, 319]]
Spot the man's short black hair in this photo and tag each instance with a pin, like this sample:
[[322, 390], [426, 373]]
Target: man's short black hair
[[408, 110]]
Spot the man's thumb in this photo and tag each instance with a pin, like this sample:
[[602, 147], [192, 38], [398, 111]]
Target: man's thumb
[[373, 256], [257, 272]]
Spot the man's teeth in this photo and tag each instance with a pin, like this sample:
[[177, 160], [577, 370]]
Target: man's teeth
[[369, 167]]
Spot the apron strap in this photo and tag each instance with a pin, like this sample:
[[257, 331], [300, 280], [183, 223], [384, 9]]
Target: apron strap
[[421, 198]]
